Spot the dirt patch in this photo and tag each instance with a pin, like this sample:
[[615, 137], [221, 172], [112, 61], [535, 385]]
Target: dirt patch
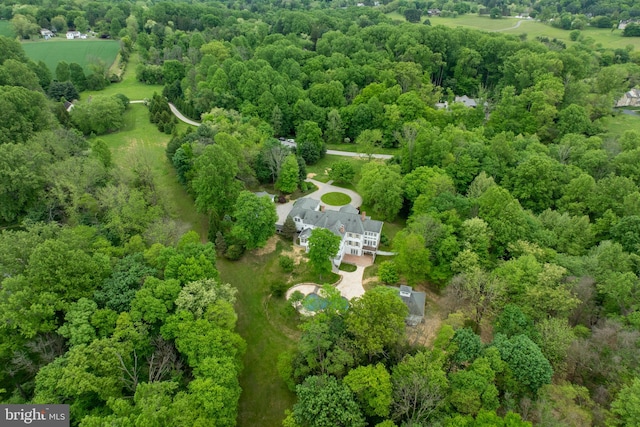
[[425, 333], [311, 175], [297, 253], [269, 247]]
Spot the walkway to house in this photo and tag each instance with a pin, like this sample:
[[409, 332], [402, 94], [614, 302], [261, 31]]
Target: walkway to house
[[351, 284], [364, 260]]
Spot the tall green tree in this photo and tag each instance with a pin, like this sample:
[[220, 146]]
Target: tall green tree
[[323, 247], [381, 188], [215, 185], [342, 171], [255, 218], [309, 142], [103, 114], [371, 386], [323, 401], [376, 321], [413, 258], [288, 175], [626, 406]]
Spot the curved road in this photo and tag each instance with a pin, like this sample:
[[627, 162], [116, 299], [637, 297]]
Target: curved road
[[187, 120], [179, 115], [510, 28]]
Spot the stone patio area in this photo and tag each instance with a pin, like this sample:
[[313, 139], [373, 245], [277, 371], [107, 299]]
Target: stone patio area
[[364, 260]]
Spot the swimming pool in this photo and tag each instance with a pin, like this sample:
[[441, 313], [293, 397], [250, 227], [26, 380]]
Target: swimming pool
[[314, 302]]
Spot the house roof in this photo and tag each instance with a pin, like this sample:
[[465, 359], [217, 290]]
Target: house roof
[[348, 218], [349, 209], [415, 301], [264, 193], [469, 102], [633, 93]]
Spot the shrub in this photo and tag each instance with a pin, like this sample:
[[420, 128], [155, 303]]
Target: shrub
[[234, 252], [286, 263], [278, 289], [388, 273]]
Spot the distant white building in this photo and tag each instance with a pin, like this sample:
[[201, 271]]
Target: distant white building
[[623, 24], [464, 99], [359, 234], [46, 34], [630, 99], [75, 35]]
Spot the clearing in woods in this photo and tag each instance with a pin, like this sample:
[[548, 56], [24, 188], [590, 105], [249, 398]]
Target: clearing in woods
[[81, 52]]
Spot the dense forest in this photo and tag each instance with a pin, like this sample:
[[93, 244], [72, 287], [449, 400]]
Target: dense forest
[[522, 215]]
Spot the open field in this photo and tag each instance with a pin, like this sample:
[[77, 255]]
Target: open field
[[261, 322], [79, 51], [6, 29], [615, 126], [603, 36], [129, 86], [324, 164], [139, 139]]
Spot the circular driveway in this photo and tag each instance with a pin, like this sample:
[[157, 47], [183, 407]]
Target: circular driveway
[[283, 209], [356, 199]]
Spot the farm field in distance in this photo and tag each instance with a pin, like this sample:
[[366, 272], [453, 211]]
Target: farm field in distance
[[80, 51], [533, 29], [6, 29]]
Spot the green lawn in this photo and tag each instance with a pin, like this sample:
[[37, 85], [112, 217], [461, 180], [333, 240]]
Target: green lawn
[[268, 325], [336, 199], [6, 29], [603, 36], [615, 126], [476, 22], [140, 139], [129, 86], [324, 164], [79, 51]]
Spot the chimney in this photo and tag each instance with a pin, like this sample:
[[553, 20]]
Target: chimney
[[363, 215], [321, 208], [342, 229]]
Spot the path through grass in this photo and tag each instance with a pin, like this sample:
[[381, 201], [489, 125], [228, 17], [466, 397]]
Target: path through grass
[[269, 329], [129, 86], [139, 139]]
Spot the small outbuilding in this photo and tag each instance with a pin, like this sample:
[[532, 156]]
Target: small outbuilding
[[415, 301]]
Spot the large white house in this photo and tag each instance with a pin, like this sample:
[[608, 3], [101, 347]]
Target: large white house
[[359, 234]]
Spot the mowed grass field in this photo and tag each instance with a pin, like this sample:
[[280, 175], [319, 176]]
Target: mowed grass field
[[263, 322], [6, 29], [603, 36], [129, 86], [79, 51]]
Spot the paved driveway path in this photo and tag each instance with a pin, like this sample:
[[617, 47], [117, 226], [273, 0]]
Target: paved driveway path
[[180, 116], [351, 284], [364, 156], [283, 209], [356, 199]]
